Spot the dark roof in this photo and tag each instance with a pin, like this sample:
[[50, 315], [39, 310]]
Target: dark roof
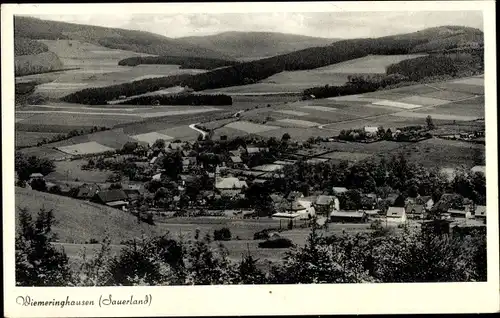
[[87, 190], [414, 208], [132, 194], [112, 195]]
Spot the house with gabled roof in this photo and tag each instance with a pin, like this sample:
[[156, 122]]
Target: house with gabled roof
[[87, 191], [426, 201], [414, 211], [116, 198]]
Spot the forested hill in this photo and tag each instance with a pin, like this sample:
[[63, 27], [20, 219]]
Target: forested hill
[[254, 71], [440, 38], [136, 41], [183, 61], [256, 45]]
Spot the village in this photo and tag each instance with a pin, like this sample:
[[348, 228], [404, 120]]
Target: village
[[235, 178]]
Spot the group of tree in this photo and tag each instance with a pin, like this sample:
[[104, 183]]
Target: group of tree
[[26, 165], [372, 176], [373, 257], [69, 135], [355, 85], [183, 61], [180, 99]]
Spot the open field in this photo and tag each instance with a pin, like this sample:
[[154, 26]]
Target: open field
[[90, 147], [96, 66], [72, 171], [26, 138], [71, 214], [335, 74], [443, 153], [372, 64]]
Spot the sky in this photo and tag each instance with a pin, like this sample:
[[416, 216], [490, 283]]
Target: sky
[[327, 25]]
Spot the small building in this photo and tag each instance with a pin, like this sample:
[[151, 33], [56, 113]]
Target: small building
[[348, 217], [132, 195], [230, 184], [480, 212], [414, 211], [449, 173], [396, 214], [116, 198], [87, 191], [252, 149], [156, 177], [325, 204], [293, 195], [339, 190]]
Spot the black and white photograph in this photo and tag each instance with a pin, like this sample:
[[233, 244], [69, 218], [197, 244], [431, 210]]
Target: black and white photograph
[[248, 148]]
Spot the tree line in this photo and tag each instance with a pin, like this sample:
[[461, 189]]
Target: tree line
[[183, 61], [253, 71], [180, 99], [374, 257]]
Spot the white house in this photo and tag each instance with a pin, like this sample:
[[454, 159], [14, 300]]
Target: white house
[[396, 214], [371, 130]]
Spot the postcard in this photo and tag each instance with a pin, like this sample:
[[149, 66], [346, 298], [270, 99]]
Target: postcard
[[188, 159]]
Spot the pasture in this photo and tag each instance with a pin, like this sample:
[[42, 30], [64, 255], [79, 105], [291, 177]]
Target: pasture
[[29, 138], [438, 153], [69, 171], [85, 148]]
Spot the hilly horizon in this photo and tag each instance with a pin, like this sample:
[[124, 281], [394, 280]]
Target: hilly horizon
[[114, 38], [255, 45]]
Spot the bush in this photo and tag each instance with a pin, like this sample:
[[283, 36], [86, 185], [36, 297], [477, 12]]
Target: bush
[[261, 235], [223, 234], [281, 242]]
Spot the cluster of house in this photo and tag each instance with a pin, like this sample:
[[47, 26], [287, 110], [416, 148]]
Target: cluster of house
[[298, 207]]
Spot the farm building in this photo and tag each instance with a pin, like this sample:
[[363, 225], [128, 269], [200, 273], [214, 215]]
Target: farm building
[[326, 204], [230, 185], [116, 198], [480, 212], [236, 159], [396, 214], [481, 169], [87, 191], [414, 211], [132, 195], [348, 217], [339, 190]]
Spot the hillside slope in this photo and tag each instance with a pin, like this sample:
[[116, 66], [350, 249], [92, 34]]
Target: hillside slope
[[440, 38], [136, 41], [255, 45], [71, 214], [254, 71]]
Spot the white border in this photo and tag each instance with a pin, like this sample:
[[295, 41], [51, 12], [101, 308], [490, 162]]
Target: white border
[[270, 299]]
